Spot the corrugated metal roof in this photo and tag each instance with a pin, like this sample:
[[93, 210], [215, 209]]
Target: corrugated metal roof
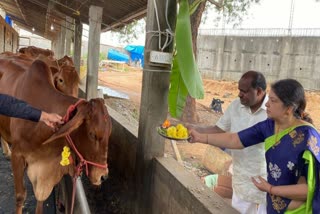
[[41, 14]]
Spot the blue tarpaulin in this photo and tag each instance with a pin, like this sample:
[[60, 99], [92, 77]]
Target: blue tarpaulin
[[117, 56], [136, 53], [8, 20]]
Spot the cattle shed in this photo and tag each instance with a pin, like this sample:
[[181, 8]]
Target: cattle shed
[[9, 37], [154, 184]]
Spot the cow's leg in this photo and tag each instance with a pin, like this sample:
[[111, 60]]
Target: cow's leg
[[5, 149], [18, 167], [39, 209]]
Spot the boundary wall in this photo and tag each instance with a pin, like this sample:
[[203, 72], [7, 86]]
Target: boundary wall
[[228, 57]]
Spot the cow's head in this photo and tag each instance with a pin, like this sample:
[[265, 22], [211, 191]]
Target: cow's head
[[66, 60], [90, 129], [67, 80]]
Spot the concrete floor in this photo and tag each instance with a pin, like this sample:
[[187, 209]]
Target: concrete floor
[[7, 198]]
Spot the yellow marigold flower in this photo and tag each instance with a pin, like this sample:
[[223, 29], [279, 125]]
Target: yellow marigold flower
[[172, 131], [64, 162], [179, 126], [182, 132], [65, 154], [66, 148]]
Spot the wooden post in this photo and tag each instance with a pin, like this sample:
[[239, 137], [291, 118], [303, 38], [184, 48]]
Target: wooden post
[[77, 48], [95, 17], [77, 45], [154, 105], [176, 151]]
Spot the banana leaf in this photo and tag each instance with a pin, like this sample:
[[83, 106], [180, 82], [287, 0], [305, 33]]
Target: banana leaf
[[178, 92], [194, 6], [189, 78]]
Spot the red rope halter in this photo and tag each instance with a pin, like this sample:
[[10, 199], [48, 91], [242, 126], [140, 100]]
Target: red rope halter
[[82, 162]]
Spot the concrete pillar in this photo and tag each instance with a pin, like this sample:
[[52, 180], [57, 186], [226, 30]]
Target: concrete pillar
[[95, 17], [69, 34], [61, 42], [77, 44], [54, 46]]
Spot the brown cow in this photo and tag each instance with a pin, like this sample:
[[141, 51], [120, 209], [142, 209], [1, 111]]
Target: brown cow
[[33, 51], [39, 154], [65, 77]]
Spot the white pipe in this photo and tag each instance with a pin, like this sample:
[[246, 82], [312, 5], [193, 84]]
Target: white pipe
[[81, 203]]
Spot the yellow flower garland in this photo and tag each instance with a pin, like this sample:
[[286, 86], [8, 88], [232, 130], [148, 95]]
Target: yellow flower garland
[[65, 154]]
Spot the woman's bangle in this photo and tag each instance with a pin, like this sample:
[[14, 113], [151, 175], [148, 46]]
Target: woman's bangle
[[270, 189]]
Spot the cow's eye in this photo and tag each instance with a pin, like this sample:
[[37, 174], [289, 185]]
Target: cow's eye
[[61, 80], [92, 136]]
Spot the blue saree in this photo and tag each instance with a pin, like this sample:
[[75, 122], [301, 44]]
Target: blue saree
[[291, 153]]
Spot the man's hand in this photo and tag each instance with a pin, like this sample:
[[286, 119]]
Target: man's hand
[[51, 119]]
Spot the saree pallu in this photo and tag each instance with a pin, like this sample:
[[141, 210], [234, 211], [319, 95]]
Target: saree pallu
[[292, 153]]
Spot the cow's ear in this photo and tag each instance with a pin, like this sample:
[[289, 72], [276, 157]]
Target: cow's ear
[[67, 128]]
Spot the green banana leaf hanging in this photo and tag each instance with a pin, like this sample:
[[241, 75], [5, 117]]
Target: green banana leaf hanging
[[185, 76]]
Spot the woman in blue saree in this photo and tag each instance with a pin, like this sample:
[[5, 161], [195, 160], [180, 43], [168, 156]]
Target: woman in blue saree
[[292, 150]]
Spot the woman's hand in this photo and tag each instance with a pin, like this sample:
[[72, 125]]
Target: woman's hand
[[261, 184], [196, 136]]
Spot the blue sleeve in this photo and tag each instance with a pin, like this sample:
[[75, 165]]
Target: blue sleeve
[[12, 107], [254, 134], [313, 141]]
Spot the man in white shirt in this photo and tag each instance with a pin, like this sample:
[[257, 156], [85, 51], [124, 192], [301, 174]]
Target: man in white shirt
[[242, 113]]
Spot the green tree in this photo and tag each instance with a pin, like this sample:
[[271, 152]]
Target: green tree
[[102, 56], [130, 32]]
